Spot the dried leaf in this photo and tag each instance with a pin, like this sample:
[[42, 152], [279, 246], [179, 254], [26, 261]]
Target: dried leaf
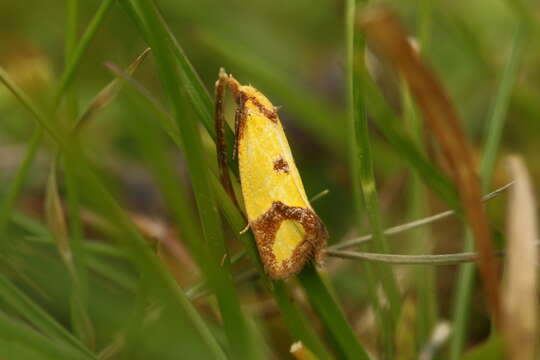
[[55, 217], [520, 285], [385, 33]]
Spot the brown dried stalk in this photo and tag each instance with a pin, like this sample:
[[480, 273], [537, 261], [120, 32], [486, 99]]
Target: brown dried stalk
[[386, 35]]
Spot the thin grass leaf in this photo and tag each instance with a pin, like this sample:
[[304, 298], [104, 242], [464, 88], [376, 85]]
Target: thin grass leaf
[[410, 225], [364, 187], [56, 221], [70, 43], [76, 55], [389, 125], [444, 259], [15, 332], [40, 319], [107, 94], [241, 342], [27, 103], [292, 315], [494, 128], [330, 314], [197, 93], [520, 285]]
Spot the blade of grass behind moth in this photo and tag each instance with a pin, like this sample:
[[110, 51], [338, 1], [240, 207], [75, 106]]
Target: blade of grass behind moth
[[80, 319], [25, 307], [157, 280], [365, 197], [16, 332], [520, 285], [299, 327], [197, 93], [494, 128], [385, 32], [77, 53], [240, 340], [295, 321]]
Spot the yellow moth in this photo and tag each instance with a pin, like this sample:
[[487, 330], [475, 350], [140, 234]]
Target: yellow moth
[[287, 230]]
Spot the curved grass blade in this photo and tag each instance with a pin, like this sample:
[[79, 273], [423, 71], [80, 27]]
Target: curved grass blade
[[41, 320]]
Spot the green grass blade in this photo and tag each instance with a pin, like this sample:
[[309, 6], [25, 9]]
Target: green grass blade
[[388, 123], [364, 186], [18, 334], [299, 327], [42, 321], [330, 314], [241, 342], [495, 125], [77, 53]]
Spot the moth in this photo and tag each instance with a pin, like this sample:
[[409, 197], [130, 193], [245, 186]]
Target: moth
[[287, 230]]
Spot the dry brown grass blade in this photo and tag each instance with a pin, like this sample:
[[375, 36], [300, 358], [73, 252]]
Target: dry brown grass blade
[[520, 285], [388, 38]]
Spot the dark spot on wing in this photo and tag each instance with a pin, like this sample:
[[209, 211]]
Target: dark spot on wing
[[280, 165]]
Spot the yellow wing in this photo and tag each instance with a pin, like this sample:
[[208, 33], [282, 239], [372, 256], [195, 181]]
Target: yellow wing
[[276, 203]]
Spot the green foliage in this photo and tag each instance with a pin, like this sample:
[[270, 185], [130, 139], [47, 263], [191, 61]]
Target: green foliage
[[105, 227]]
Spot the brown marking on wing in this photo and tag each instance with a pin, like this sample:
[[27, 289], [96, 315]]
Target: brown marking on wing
[[311, 248], [239, 121], [281, 165], [269, 113]]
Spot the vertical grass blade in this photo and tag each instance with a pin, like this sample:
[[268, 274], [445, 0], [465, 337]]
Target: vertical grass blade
[[330, 314], [364, 186], [240, 340], [494, 128], [77, 53]]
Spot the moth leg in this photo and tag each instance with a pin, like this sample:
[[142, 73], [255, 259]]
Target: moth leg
[[219, 122], [245, 230]]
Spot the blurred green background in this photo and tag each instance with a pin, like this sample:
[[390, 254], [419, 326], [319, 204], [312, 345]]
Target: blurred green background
[[293, 51]]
